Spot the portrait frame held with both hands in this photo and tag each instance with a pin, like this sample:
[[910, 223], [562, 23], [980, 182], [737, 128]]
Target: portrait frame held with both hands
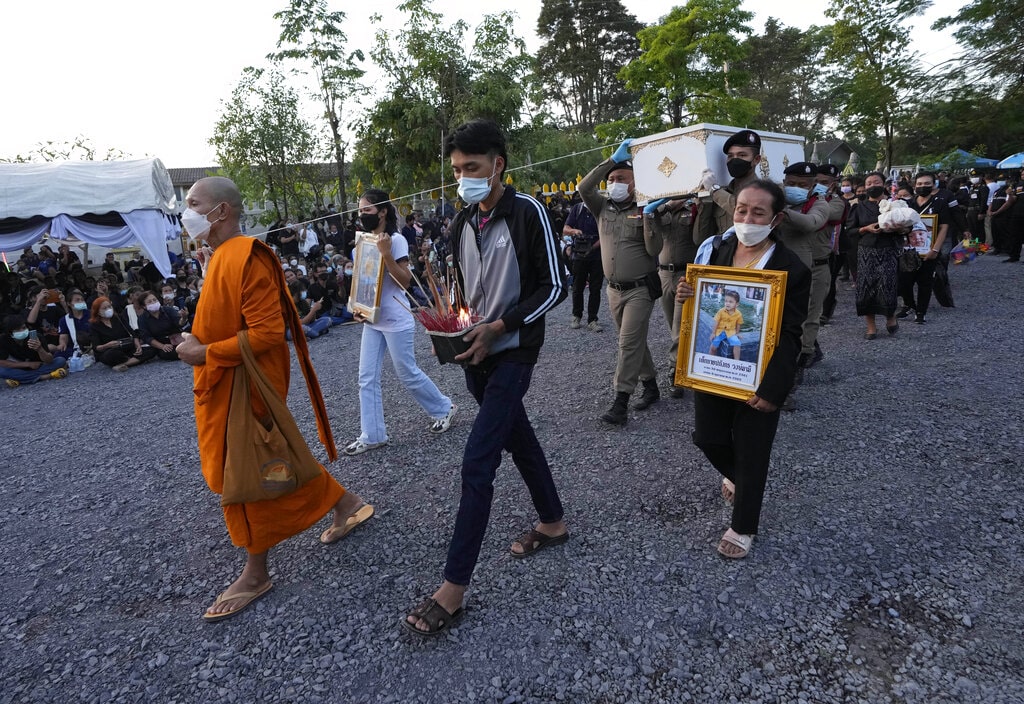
[[367, 278], [748, 304]]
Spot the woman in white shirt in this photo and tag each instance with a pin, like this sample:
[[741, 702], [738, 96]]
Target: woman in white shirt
[[393, 332]]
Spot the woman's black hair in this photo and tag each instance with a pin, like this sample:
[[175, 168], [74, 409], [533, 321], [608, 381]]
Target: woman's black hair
[[383, 202], [771, 188]]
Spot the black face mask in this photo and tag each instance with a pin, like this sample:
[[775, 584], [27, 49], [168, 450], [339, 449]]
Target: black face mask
[[738, 168], [369, 221], [875, 191], [862, 196], [923, 191]]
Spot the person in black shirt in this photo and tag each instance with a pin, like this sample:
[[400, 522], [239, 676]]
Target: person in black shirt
[[159, 327], [24, 358], [926, 203], [113, 342]]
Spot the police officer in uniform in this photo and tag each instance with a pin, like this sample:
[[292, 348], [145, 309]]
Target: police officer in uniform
[[839, 209], [803, 231], [1016, 229], [977, 204], [629, 263], [670, 223], [714, 211]]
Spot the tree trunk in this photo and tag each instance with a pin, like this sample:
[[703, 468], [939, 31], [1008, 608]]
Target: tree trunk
[[339, 160]]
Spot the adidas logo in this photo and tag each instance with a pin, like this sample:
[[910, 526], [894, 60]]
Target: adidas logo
[[502, 242]]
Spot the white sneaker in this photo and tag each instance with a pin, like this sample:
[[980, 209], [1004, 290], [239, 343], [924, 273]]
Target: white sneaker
[[359, 447], [440, 425], [576, 323], [595, 326]]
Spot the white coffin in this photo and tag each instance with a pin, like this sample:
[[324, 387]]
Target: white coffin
[[669, 164]]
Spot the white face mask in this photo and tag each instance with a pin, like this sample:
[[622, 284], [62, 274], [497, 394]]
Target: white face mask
[[750, 234], [153, 307], [618, 192], [107, 313], [195, 224], [975, 180]]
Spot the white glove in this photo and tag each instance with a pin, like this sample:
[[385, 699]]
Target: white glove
[[708, 179]]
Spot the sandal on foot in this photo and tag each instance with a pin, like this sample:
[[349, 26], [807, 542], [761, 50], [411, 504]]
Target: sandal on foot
[[533, 541], [743, 542], [247, 599], [336, 533], [437, 617], [728, 490], [892, 329], [870, 335]]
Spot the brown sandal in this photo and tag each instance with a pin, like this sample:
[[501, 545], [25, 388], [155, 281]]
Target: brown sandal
[[437, 617], [533, 541]]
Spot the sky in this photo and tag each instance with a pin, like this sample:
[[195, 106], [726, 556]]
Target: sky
[[150, 78]]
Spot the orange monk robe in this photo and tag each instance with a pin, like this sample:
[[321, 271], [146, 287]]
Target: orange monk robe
[[243, 288]]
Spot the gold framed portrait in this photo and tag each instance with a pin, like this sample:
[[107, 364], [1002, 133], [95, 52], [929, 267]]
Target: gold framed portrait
[[922, 240], [729, 329], [367, 278]]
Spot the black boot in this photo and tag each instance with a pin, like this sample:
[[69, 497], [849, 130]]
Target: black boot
[[618, 414], [650, 395]]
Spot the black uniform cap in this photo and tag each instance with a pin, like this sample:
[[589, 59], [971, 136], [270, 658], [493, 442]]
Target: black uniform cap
[[828, 170], [743, 138], [801, 168]]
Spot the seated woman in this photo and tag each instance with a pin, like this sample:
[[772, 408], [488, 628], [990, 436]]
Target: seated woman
[[170, 297], [311, 324], [24, 358], [74, 327], [159, 327], [113, 342]]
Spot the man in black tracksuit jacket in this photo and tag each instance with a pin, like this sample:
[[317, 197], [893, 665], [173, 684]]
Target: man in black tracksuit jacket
[[508, 265]]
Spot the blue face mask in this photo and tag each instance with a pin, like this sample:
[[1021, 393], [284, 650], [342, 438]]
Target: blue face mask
[[820, 189], [20, 334], [795, 195], [330, 270], [474, 190], [303, 295]]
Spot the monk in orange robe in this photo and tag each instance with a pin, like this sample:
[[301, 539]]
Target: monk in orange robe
[[244, 288]]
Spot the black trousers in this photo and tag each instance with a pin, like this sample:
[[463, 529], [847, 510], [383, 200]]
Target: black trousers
[[836, 262], [923, 278], [1001, 233], [586, 272], [1015, 239], [737, 440]]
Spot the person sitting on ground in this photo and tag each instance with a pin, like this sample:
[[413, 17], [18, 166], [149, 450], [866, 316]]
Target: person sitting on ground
[[159, 327], [112, 267], [24, 358], [48, 307], [113, 342], [727, 325], [312, 325], [74, 327], [170, 297]]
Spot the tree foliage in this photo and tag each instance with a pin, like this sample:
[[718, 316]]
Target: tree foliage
[[262, 142], [789, 78], [993, 33], [686, 71], [312, 36], [882, 78], [438, 79], [585, 45], [80, 148]]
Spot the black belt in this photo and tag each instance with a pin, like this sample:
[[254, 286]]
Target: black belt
[[819, 262], [627, 286], [673, 267]]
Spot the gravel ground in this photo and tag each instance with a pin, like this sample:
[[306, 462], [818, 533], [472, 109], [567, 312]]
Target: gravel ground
[[888, 568]]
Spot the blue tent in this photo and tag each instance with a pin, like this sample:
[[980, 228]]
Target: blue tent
[[1012, 162], [965, 158]]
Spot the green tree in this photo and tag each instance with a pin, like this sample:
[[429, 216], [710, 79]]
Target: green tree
[[870, 40], [686, 71], [313, 36], [437, 80], [993, 32], [584, 47], [789, 78], [262, 142], [80, 148]]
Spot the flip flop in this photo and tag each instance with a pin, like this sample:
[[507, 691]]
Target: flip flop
[[247, 597], [728, 490], [334, 534], [743, 542], [437, 617], [534, 541]]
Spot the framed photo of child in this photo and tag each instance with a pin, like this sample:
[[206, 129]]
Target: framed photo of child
[[921, 240], [729, 329], [367, 278]]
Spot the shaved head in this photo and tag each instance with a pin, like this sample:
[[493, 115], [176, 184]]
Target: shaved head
[[220, 190]]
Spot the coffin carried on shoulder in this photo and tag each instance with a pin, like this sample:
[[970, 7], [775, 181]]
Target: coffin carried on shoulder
[[669, 164]]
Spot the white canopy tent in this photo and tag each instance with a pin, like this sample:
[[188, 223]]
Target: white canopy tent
[[106, 203]]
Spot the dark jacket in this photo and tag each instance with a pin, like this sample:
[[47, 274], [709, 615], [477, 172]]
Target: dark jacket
[[781, 369], [515, 275]]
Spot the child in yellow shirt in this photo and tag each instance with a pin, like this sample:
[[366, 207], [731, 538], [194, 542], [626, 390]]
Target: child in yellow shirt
[[727, 325]]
